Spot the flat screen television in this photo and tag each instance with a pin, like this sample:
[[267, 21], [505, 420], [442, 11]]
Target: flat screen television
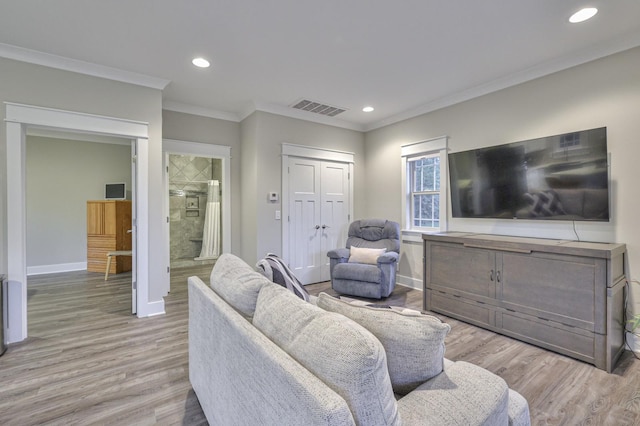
[[115, 191], [561, 177]]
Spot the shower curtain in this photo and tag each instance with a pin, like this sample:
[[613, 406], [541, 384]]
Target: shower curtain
[[211, 232]]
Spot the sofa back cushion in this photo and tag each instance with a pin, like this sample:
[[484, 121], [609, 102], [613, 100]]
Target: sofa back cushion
[[343, 354], [413, 342], [237, 283]]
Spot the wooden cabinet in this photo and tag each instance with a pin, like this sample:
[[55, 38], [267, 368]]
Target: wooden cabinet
[[108, 223], [565, 296]]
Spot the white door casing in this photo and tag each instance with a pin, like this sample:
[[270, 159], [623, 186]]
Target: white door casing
[[317, 208], [18, 117], [134, 222]]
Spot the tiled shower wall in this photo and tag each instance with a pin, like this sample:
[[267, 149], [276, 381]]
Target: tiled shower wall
[[188, 178]]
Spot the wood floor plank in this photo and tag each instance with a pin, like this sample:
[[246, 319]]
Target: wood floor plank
[[560, 390], [89, 361]]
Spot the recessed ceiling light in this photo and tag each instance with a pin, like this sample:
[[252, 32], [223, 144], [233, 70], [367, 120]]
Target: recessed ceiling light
[[367, 109], [200, 62], [583, 14]]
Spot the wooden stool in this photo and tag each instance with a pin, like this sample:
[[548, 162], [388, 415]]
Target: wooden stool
[[115, 253]]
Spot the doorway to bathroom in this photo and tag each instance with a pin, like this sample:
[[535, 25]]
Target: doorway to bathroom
[[194, 210], [197, 193]]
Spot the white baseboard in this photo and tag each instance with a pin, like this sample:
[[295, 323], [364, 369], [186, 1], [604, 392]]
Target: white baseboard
[[60, 267], [152, 309], [409, 282], [634, 342]]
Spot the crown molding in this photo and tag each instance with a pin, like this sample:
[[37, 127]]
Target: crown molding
[[53, 61], [593, 53], [249, 109], [201, 111]]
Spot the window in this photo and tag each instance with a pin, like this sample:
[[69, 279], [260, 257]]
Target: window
[[425, 192], [424, 183]]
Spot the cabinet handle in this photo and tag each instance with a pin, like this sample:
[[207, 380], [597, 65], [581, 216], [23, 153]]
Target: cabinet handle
[[491, 275], [498, 276]]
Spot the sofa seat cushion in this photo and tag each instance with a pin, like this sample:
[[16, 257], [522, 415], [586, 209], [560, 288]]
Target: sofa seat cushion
[[237, 283], [357, 272], [414, 343], [463, 394], [343, 354]]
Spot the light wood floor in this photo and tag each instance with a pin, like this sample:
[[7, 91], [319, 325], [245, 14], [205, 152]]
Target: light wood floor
[[89, 361], [560, 390]]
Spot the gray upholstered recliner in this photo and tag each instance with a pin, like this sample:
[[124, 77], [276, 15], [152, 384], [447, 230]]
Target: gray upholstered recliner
[[361, 279]]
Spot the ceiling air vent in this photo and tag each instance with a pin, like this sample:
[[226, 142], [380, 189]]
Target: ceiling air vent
[[318, 108]]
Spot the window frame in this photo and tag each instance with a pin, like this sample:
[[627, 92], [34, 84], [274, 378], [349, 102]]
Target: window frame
[[410, 153], [411, 166]]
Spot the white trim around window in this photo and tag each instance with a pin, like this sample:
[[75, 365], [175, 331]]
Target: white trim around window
[[411, 152]]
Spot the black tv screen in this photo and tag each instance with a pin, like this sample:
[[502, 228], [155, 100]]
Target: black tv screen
[[115, 191], [561, 177]]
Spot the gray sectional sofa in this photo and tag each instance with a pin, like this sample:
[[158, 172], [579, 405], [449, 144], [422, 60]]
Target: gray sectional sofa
[[259, 355]]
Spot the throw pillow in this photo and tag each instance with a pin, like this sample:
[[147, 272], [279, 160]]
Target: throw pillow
[[413, 342], [365, 255], [341, 353]]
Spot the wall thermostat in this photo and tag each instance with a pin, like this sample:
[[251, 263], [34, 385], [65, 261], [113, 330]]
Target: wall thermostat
[[273, 196]]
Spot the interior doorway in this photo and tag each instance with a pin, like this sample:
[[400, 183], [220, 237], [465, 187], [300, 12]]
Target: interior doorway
[[73, 221], [194, 209], [197, 202], [19, 118], [65, 174]]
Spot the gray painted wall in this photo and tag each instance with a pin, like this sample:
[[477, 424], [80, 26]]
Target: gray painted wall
[[605, 92], [256, 168], [264, 143], [194, 128], [61, 176], [601, 93], [248, 186], [37, 85]]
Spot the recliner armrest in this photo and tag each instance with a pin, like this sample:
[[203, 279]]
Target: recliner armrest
[[339, 253], [388, 257]]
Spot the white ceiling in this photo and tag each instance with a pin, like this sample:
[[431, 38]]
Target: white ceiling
[[403, 57]]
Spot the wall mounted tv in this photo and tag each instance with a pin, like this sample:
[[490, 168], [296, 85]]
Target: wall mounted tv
[[561, 177]]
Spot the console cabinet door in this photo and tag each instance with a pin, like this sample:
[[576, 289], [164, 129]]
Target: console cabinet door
[[554, 287], [460, 270]]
